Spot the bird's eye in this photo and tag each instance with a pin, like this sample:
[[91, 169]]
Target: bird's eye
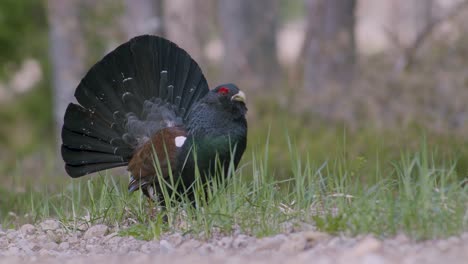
[[223, 90]]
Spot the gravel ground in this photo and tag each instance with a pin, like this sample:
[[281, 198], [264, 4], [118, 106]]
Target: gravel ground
[[50, 242]]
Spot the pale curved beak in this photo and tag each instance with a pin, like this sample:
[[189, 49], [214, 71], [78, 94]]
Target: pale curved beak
[[240, 96]]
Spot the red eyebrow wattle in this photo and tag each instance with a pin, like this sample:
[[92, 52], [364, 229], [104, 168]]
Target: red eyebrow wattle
[[223, 90]]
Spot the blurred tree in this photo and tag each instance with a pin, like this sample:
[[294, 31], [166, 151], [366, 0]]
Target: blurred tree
[[411, 23], [330, 52], [67, 51], [21, 25], [409, 18], [249, 30], [190, 24], [143, 17], [423, 13]]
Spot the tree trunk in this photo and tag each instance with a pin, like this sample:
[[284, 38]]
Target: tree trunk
[[190, 24], [330, 54], [67, 51], [248, 31], [143, 17], [410, 18]]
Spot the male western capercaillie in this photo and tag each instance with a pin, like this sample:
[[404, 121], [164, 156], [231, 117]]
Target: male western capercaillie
[[148, 100]]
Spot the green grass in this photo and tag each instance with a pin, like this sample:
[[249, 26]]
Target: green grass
[[418, 193]]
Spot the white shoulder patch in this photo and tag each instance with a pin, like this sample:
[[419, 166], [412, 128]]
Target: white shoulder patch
[[179, 141]]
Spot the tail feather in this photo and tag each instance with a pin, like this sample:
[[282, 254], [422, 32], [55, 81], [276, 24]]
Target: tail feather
[[78, 157], [88, 123], [82, 142], [140, 87], [80, 170]]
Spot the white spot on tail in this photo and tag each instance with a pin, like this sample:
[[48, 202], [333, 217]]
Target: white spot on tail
[[179, 141], [127, 79]]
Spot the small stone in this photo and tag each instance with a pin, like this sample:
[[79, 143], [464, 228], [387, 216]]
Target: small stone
[[3, 242], [133, 244], [366, 246], [314, 236], [114, 240], [225, 242], [241, 241], [44, 252], [50, 246], [25, 246], [96, 231], [11, 234], [123, 249], [151, 247], [42, 238], [13, 250], [270, 243], [207, 249], [73, 239], [94, 248], [190, 245], [27, 229], [64, 246], [50, 225], [175, 239], [36, 248], [52, 236], [166, 246], [302, 241], [109, 237]]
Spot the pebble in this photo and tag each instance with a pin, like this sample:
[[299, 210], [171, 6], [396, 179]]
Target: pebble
[[302, 241], [241, 241], [73, 239], [3, 242], [44, 243], [190, 245], [114, 240], [64, 246], [270, 243], [50, 246], [11, 235], [225, 242], [51, 235], [150, 247], [366, 246], [26, 246], [166, 246], [95, 231], [44, 252], [28, 229], [109, 237], [175, 239], [13, 250], [206, 249], [50, 224]]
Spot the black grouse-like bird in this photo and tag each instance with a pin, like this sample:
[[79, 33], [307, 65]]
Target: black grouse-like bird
[[148, 100]]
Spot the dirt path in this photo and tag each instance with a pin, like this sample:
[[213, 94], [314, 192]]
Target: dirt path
[[49, 242]]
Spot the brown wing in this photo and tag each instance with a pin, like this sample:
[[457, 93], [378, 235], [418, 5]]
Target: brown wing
[[164, 144]]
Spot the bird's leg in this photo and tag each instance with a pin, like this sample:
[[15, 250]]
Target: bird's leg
[[155, 207], [151, 200]]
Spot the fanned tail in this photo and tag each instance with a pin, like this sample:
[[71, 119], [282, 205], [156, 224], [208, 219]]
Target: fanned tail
[[144, 85]]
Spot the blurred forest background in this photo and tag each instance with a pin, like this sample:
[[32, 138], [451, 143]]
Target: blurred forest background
[[309, 66]]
